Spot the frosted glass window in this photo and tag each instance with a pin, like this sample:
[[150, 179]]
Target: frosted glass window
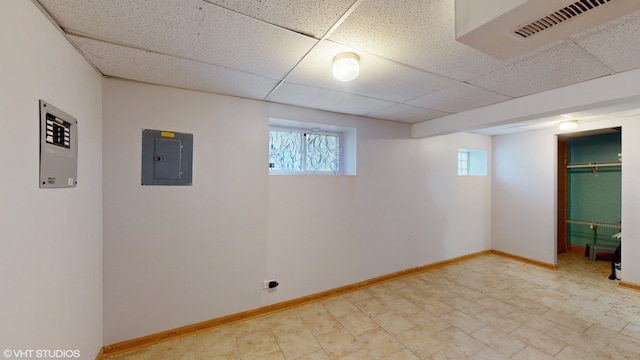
[[323, 152], [285, 150], [294, 150], [472, 162]]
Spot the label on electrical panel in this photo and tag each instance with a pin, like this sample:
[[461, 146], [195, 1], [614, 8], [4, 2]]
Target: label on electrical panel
[[167, 134], [58, 132]]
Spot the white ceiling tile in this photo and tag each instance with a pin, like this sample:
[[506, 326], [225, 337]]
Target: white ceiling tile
[[400, 82], [193, 29], [457, 98], [418, 33], [616, 43], [559, 66], [139, 65], [323, 99], [412, 67], [310, 17], [407, 114]]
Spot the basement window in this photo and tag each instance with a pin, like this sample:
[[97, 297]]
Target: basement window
[[472, 162], [311, 149]]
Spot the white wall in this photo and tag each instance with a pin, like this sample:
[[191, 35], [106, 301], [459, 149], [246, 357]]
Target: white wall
[[630, 200], [179, 255], [50, 239], [456, 209], [524, 193]]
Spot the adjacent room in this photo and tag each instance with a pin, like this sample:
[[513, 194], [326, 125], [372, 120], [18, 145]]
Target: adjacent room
[[279, 177]]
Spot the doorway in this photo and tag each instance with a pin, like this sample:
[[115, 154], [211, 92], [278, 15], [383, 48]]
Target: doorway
[[589, 192]]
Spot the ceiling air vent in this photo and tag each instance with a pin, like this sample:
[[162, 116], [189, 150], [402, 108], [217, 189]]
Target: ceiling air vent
[[559, 16], [496, 27]]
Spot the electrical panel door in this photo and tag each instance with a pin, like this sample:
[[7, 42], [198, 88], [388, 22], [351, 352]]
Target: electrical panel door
[[167, 158]]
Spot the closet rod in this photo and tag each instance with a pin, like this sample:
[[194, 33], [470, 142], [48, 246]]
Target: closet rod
[[593, 165], [595, 223]]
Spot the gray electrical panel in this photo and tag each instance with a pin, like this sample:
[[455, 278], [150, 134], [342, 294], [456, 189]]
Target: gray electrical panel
[[58, 148], [167, 158]]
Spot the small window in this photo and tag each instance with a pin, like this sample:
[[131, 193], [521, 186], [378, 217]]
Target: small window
[[293, 150], [463, 162], [472, 162]]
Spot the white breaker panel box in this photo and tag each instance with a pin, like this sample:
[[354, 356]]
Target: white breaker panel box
[[58, 148]]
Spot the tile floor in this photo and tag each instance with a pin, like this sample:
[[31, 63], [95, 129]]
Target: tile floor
[[485, 308]]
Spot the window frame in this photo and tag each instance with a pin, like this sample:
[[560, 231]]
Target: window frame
[[303, 132], [463, 164]]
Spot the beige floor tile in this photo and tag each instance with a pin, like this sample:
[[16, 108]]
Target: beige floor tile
[[403, 306], [496, 305], [339, 343], [434, 306], [412, 281], [339, 306], [532, 320], [526, 304], [284, 322], [404, 354], [181, 348], [460, 341], [570, 336], [372, 307], [250, 326], [357, 295], [428, 321], [488, 354], [357, 322], [572, 352], [466, 306], [296, 344], [379, 343], [604, 320], [531, 353], [321, 323], [558, 305], [499, 322], [257, 344], [214, 342], [631, 330], [235, 355], [421, 342], [318, 355], [383, 292], [276, 355], [499, 341], [543, 342], [570, 321], [467, 293], [447, 354], [414, 294], [393, 322], [463, 321]]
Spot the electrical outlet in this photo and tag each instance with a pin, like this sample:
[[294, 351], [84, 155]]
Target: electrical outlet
[[265, 284]]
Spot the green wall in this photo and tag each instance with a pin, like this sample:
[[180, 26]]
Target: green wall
[[594, 197]]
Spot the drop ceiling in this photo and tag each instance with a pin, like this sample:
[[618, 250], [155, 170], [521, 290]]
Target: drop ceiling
[[412, 68]]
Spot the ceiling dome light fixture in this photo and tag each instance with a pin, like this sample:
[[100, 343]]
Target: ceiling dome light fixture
[[568, 125], [346, 66]]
